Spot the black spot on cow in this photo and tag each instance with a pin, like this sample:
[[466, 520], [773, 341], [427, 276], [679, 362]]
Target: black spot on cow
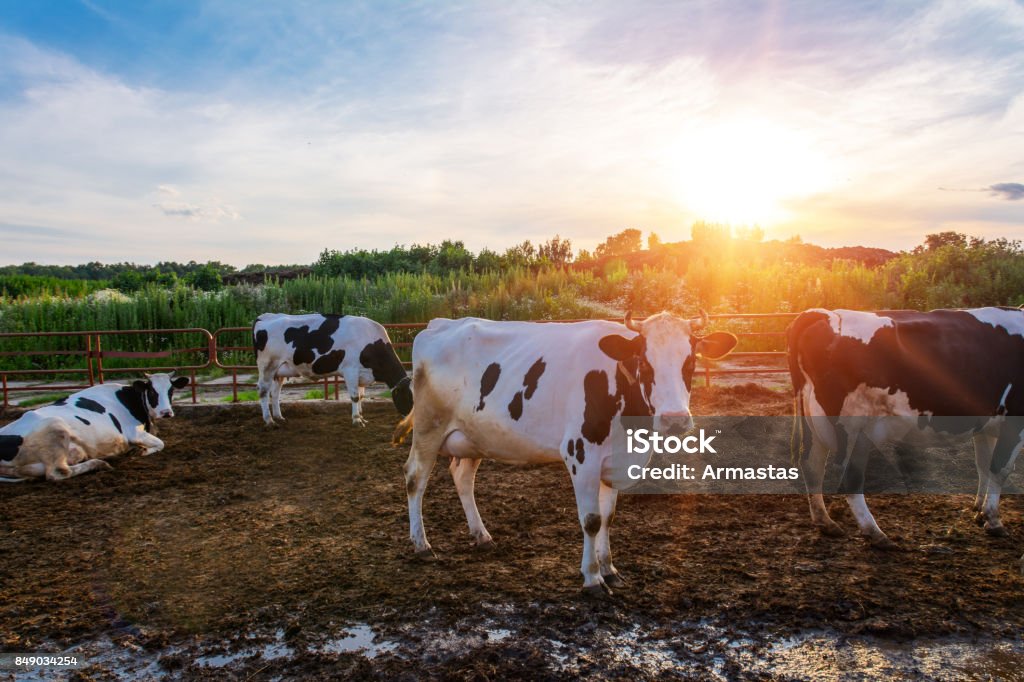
[[579, 450], [515, 406], [488, 380], [592, 524], [328, 363], [83, 420], [599, 407], [9, 447], [532, 377], [570, 447], [151, 395], [91, 405], [117, 424], [308, 344], [62, 402], [259, 340], [133, 399], [573, 469], [380, 358]]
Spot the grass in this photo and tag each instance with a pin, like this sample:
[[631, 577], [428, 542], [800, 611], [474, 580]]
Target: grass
[[315, 394], [243, 397], [42, 399]]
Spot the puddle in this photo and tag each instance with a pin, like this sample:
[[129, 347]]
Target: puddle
[[360, 639]]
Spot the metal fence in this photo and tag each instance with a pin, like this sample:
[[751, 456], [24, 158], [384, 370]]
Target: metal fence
[[216, 351]]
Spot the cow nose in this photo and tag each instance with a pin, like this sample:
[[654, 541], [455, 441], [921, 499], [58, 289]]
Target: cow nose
[[166, 413], [676, 423]]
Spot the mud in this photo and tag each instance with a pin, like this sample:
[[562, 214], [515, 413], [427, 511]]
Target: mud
[[247, 553]]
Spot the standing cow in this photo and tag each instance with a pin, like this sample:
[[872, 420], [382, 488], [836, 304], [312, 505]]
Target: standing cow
[[317, 346], [951, 371], [526, 392], [76, 434]]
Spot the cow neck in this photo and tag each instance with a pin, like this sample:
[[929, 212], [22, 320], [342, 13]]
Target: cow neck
[[135, 403]]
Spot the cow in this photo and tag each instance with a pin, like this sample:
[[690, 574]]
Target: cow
[[944, 371], [76, 434], [320, 345], [525, 392]]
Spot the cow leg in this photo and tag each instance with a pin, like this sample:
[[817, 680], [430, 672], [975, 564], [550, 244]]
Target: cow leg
[[983, 446], [355, 394], [607, 497], [149, 442], [422, 456], [812, 467], [853, 484], [87, 466], [463, 470], [1005, 451], [275, 397], [265, 385], [587, 485]]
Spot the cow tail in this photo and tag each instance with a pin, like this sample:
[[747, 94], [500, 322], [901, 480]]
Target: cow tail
[[800, 427], [403, 429]]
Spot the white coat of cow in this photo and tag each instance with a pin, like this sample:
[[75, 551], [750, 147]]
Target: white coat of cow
[[526, 392], [76, 434]]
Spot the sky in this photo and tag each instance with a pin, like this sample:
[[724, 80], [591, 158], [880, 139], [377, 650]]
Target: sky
[[265, 132]]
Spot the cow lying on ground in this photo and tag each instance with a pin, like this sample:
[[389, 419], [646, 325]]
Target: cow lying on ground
[[76, 434], [316, 346], [950, 371], [525, 392]]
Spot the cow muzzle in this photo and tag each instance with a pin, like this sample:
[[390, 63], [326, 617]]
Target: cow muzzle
[[674, 423], [165, 414]]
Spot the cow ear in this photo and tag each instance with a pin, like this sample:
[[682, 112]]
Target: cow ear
[[140, 386], [619, 347], [717, 345], [180, 382]]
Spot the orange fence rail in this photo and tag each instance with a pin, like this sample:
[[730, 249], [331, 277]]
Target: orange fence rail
[[96, 346]]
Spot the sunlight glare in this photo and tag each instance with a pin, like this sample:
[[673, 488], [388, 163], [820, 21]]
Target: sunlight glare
[[742, 172]]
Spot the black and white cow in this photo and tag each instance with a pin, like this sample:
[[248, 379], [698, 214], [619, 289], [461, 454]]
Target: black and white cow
[[317, 346], [526, 392], [949, 371], [76, 434]]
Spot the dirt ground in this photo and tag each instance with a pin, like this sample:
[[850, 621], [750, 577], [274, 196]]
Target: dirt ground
[[242, 552]]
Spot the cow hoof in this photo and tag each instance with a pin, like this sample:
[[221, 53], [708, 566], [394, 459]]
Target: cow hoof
[[884, 544], [425, 555], [601, 591], [485, 546], [831, 530], [996, 532], [980, 518], [271, 424], [613, 580], [103, 466]]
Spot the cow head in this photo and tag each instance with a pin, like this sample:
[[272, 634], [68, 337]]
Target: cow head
[[661, 359], [157, 391]]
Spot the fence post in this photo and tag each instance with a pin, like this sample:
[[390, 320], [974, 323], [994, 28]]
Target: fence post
[[337, 387], [327, 388], [4, 379], [88, 358], [193, 384], [99, 358]]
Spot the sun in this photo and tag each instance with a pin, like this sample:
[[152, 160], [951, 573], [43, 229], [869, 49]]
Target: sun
[[743, 171]]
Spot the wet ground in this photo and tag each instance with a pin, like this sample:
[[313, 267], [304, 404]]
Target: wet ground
[[246, 553]]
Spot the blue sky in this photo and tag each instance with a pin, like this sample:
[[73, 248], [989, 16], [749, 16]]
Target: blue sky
[[265, 132]]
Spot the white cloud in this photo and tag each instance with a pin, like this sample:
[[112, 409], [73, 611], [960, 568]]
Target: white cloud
[[513, 123]]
